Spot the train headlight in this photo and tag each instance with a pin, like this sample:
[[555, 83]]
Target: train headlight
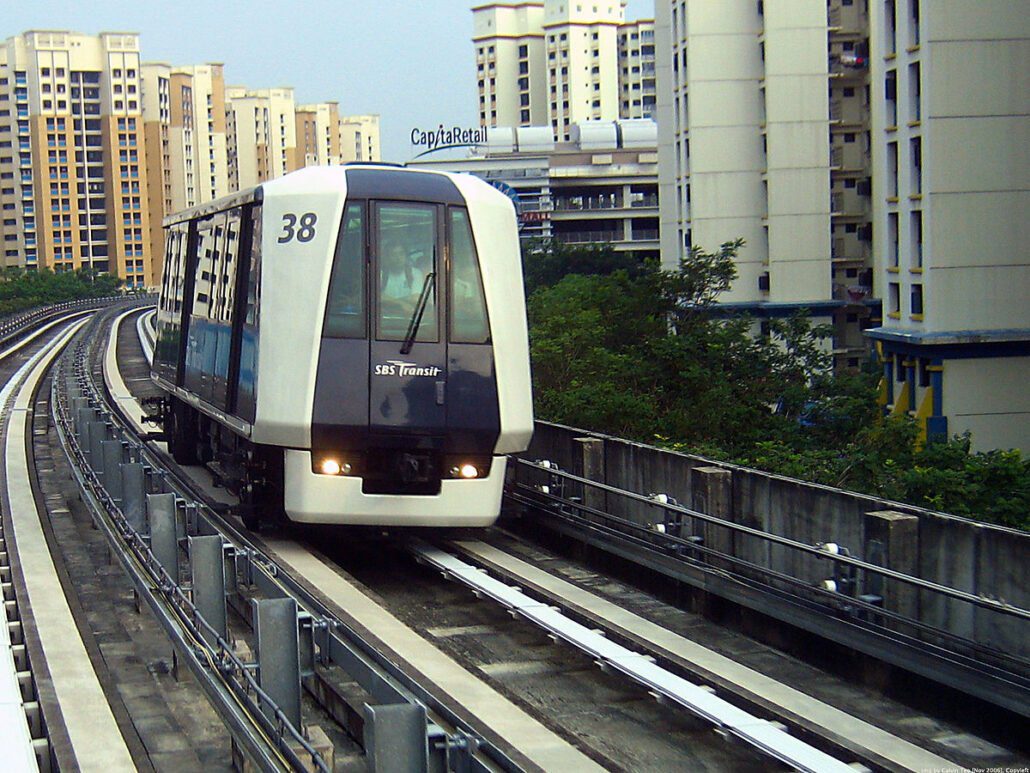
[[465, 468], [331, 466]]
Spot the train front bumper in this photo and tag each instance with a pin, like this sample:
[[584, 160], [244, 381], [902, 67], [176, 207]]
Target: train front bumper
[[338, 499]]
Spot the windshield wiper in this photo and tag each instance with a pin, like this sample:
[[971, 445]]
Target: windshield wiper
[[416, 318]]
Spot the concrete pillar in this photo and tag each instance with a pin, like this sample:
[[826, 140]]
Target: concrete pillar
[[711, 493], [892, 541], [593, 469]]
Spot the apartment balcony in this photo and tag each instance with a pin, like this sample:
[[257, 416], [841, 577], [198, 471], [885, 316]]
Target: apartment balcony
[[846, 20], [848, 111], [583, 203], [848, 202], [588, 237], [848, 248], [852, 293], [644, 235], [848, 156]]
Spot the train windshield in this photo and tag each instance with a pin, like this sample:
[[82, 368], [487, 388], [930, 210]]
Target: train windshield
[[406, 246], [345, 316], [468, 306]]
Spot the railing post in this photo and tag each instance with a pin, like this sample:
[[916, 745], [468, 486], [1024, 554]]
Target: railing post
[[278, 651], [112, 455], [97, 435], [208, 571], [133, 493], [163, 541], [395, 738]]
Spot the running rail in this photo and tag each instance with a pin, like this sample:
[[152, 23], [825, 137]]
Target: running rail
[[761, 734]]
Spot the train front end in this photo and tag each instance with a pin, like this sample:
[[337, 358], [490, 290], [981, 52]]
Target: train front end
[[421, 379]]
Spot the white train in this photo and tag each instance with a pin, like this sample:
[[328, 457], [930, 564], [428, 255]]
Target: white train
[[347, 345]]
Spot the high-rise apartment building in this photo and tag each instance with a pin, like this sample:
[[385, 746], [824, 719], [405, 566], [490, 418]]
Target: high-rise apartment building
[[157, 130], [637, 69], [210, 144], [748, 144], [318, 134], [951, 192], [73, 177], [560, 63], [510, 64], [359, 138], [582, 62], [186, 154], [262, 135]]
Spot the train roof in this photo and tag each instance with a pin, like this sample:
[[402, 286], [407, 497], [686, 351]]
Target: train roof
[[256, 194]]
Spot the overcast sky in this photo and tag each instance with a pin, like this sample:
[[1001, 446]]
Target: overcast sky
[[410, 61]]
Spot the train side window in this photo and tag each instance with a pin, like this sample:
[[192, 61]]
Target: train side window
[[468, 305], [227, 269], [246, 389], [208, 243], [345, 313], [254, 274]]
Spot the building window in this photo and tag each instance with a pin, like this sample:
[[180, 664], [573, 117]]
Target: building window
[[894, 298], [914, 92], [917, 299], [892, 169], [916, 153], [916, 235], [913, 22], [892, 239], [890, 93], [890, 27]]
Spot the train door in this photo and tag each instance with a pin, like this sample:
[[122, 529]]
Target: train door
[[407, 347]]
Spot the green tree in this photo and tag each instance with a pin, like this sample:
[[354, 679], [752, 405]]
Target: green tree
[[639, 352], [21, 290], [546, 261]]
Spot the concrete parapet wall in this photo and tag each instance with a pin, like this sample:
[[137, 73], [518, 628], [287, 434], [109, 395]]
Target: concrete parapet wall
[[982, 559]]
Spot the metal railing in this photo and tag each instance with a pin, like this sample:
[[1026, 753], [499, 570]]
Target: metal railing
[[705, 551], [586, 237]]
